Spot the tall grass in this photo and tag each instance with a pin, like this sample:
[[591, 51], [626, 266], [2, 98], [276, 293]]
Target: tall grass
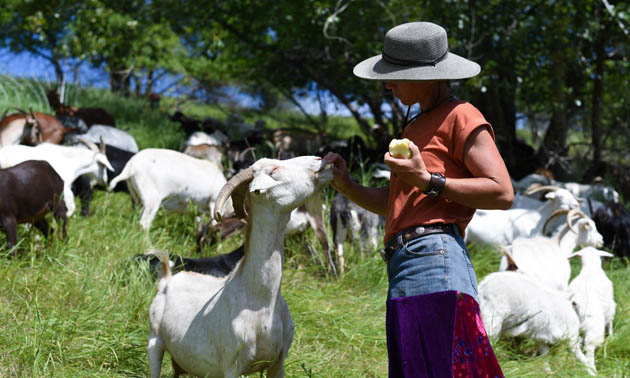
[[79, 307]]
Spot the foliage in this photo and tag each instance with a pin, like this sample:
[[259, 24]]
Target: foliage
[[559, 65]]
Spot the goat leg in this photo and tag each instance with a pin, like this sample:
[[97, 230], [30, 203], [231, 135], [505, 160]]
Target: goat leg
[[177, 369], [42, 225], [10, 228]]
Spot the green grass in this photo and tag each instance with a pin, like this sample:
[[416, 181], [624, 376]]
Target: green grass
[[79, 307]]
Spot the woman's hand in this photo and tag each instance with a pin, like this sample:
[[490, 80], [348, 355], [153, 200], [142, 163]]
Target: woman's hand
[[412, 170], [341, 177]]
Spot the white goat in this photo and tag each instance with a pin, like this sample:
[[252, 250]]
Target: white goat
[[69, 162], [515, 305], [501, 227], [596, 191], [239, 324], [108, 135], [546, 259], [526, 182], [592, 296], [217, 138], [172, 179]]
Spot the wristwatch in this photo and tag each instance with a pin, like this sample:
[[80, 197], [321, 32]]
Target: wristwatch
[[436, 185]]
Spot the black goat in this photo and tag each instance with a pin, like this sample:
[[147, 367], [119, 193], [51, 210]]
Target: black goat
[[30, 190], [190, 125], [613, 222], [217, 266], [82, 187]]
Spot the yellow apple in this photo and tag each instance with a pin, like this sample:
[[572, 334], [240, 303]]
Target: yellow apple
[[399, 148]]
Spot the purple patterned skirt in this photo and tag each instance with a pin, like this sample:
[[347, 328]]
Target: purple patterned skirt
[[438, 335]]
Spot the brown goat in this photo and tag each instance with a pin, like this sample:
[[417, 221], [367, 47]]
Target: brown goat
[[91, 116], [29, 191], [48, 128]]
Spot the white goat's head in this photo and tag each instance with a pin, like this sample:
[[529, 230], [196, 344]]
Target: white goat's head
[[587, 233], [285, 183], [100, 163], [580, 224]]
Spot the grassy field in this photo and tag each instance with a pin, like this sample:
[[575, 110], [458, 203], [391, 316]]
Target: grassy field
[[79, 307]]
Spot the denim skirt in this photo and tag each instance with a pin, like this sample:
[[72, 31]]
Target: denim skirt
[[430, 264]]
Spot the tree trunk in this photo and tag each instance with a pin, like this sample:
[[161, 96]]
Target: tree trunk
[[594, 169], [148, 88], [58, 69], [553, 151]]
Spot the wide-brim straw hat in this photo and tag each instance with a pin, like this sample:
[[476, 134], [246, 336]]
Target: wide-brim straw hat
[[416, 51]]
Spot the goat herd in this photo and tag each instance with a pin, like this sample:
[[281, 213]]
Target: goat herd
[[233, 320]]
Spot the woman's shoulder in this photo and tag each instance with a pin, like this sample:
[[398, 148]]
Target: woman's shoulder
[[466, 112]]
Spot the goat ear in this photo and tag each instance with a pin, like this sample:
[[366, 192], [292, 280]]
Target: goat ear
[[262, 182], [578, 253], [103, 160], [605, 254]]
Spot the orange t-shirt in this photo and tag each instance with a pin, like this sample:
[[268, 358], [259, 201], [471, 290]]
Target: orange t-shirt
[[440, 135]]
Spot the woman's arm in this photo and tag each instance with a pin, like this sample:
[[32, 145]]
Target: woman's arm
[[372, 199], [490, 188]]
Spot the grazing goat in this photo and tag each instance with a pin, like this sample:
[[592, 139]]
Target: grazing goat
[[109, 135], [501, 227], [82, 186], [205, 152], [31, 128], [546, 259], [217, 138], [91, 116], [592, 296], [161, 177], [239, 324], [515, 305], [69, 162], [613, 221], [291, 143], [348, 218], [71, 122], [217, 266], [30, 190], [190, 125]]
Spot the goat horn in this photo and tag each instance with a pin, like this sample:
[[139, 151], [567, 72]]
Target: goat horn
[[242, 154], [553, 215], [244, 176], [101, 146], [511, 263], [13, 107], [89, 143], [548, 188], [571, 215]]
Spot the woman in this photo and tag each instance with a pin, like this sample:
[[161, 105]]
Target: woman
[[433, 322]]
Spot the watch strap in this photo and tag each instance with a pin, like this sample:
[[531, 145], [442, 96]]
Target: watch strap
[[436, 185]]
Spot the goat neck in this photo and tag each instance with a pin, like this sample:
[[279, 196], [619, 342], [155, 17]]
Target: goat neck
[[261, 267]]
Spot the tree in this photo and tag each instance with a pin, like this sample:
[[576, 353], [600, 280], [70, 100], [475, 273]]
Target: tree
[[39, 27], [126, 38]]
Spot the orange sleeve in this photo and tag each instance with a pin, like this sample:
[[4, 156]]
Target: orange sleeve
[[467, 120]]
